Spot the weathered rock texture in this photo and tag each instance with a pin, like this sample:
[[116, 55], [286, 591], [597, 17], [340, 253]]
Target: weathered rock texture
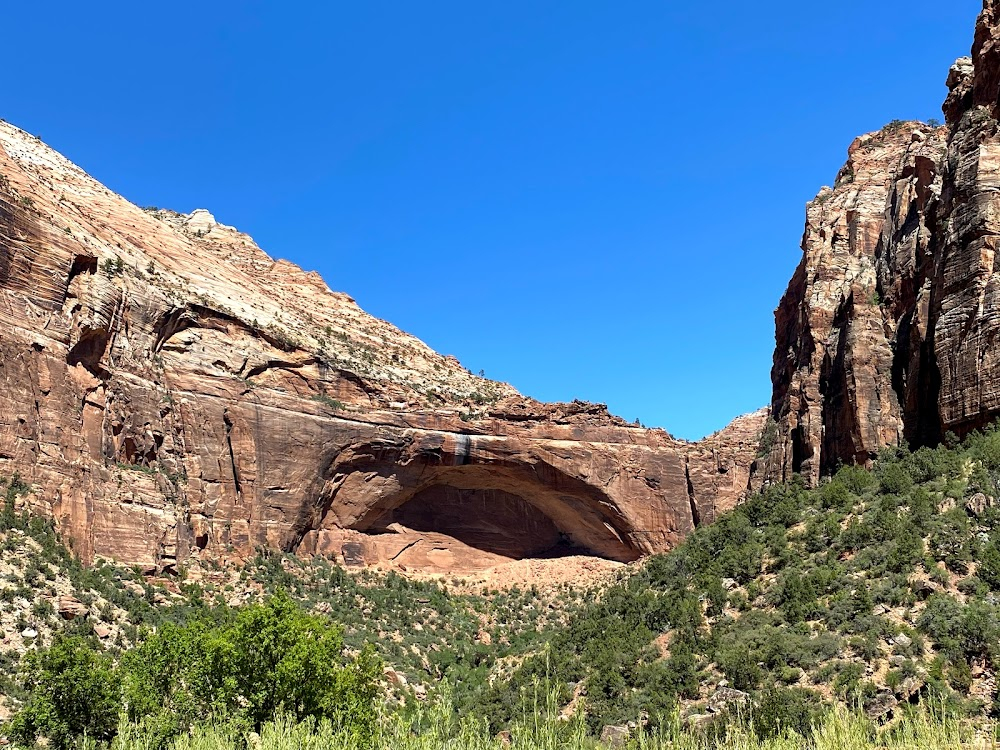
[[171, 391], [888, 330]]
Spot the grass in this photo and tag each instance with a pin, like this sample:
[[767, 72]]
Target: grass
[[436, 727]]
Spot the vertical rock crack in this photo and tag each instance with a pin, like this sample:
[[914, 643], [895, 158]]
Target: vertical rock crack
[[695, 514], [232, 456]]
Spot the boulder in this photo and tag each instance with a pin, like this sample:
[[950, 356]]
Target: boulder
[[726, 697], [613, 735], [910, 687], [881, 705], [699, 721], [394, 677], [903, 640], [978, 504], [70, 608]]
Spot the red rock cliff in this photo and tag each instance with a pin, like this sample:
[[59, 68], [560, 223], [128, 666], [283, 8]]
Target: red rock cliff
[[888, 330], [172, 392]]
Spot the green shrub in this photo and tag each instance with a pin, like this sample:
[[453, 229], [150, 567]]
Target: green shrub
[[942, 621], [988, 570], [740, 667], [835, 494], [959, 676], [113, 267], [796, 597], [855, 478], [73, 690], [241, 669], [329, 401], [893, 478], [780, 710], [847, 684], [949, 543], [271, 659]]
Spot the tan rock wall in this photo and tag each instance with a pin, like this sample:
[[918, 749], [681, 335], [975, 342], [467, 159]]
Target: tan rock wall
[[888, 330], [171, 392]]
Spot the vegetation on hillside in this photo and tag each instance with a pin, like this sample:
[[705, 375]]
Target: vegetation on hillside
[[876, 587], [267, 660], [877, 590]]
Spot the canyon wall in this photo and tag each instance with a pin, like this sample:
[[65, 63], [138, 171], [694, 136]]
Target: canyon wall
[[888, 330], [171, 393]]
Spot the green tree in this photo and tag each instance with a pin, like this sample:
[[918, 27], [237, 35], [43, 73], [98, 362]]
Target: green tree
[[73, 690], [740, 666], [797, 597], [781, 709], [892, 477], [272, 659], [989, 565]]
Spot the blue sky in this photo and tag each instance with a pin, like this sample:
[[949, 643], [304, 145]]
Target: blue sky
[[596, 200]]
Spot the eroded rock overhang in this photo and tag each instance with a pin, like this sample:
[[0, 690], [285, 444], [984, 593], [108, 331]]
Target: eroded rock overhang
[[172, 393]]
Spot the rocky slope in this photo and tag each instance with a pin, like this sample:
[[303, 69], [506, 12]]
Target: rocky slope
[[169, 391], [887, 332]]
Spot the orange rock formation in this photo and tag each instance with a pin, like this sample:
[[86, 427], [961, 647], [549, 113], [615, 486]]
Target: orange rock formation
[[172, 392]]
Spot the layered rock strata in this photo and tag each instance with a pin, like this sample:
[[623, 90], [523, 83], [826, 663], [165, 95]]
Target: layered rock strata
[[888, 330], [171, 392]]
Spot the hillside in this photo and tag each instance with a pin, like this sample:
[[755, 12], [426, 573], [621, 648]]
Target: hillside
[[879, 588], [240, 512], [173, 394]]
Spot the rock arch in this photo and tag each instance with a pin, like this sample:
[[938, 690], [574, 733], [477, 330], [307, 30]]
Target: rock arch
[[475, 500]]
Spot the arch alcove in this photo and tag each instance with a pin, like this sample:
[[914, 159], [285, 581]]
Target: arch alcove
[[472, 505], [491, 521], [510, 509]]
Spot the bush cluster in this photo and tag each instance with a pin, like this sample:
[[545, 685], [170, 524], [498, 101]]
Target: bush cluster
[[793, 589], [265, 661]]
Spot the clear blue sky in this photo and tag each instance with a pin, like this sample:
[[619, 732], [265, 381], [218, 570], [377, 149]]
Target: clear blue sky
[[597, 200]]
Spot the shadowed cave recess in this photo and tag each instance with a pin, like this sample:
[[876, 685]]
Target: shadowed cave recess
[[491, 521], [454, 529], [445, 513]]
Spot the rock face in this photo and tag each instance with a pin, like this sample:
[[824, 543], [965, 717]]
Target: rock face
[[888, 330], [834, 398], [170, 391]]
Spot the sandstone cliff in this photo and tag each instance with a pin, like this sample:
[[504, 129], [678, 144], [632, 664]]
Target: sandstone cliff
[[172, 392], [887, 332]]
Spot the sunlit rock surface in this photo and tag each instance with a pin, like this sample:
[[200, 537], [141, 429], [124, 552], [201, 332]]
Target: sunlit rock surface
[[171, 392]]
